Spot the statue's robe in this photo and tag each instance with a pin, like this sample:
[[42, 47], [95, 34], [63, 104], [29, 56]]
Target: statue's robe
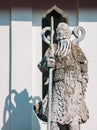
[[70, 77]]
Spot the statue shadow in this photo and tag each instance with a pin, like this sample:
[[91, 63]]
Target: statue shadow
[[18, 112]]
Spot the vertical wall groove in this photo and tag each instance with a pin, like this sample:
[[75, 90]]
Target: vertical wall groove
[[10, 67]]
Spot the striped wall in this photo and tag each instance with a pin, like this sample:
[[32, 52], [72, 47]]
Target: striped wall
[[21, 51]]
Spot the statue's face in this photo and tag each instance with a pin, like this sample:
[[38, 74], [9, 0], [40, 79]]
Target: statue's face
[[62, 34], [63, 31]]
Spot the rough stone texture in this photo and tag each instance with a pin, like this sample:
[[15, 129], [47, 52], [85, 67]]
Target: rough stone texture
[[70, 77], [69, 86]]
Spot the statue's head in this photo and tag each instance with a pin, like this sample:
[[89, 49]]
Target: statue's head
[[63, 31]]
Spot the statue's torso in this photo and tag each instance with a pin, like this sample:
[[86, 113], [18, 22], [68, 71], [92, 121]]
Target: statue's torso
[[67, 95]]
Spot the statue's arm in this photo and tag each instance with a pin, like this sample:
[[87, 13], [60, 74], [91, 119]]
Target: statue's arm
[[47, 61], [43, 65], [84, 72], [83, 63]]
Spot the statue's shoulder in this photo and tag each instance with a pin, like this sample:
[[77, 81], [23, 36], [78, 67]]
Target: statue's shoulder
[[55, 46], [78, 53], [49, 50]]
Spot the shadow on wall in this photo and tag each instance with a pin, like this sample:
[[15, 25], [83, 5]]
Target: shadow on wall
[[22, 115]]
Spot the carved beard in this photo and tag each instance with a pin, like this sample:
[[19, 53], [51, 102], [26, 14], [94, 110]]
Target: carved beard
[[63, 47]]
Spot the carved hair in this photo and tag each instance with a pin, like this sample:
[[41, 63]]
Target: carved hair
[[63, 26]]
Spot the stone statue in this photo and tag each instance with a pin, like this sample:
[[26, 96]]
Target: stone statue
[[70, 77]]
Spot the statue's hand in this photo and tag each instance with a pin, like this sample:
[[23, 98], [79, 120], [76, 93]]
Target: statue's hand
[[51, 62]]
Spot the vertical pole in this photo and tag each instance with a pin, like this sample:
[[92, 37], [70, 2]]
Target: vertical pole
[[50, 78]]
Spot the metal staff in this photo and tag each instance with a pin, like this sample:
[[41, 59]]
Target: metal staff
[[50, 77]]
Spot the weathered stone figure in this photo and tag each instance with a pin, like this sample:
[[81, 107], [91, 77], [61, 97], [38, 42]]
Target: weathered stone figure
[[69, 81]]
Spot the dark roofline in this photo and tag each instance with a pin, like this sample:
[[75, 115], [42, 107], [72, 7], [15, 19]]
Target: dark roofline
[[46, 4]]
